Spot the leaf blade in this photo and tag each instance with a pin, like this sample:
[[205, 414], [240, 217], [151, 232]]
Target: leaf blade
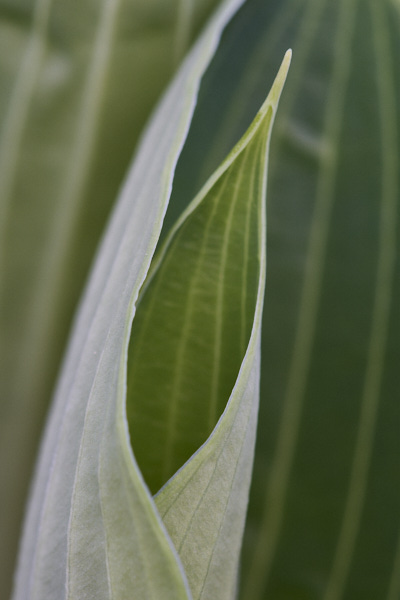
[[86, 436], [73, 82]]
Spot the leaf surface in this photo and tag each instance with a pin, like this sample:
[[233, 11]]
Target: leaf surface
[[92, 529]]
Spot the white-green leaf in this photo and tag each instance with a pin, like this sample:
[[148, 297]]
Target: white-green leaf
[[195, 344], [92, 529], [77, 83]]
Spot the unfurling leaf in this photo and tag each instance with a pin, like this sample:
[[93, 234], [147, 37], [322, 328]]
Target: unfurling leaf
[[195, 344], [92, 529]]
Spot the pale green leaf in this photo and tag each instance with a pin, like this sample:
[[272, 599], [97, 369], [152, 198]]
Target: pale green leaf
[[77, 82], [195, 344], [92, 529]]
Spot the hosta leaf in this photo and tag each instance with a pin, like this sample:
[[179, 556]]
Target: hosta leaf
[[324, 518], [195, 343], [196, 313], [92, 529], [77, 82]]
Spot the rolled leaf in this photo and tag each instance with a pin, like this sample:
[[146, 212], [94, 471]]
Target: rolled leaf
[[195, 343]]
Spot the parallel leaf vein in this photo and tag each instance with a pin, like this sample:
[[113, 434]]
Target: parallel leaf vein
[[278, 483], [381, 311]]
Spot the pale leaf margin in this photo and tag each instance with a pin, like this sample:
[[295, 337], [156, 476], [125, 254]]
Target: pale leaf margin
[[204, 504], [92, 529]]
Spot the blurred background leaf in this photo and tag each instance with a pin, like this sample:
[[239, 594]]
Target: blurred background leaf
[[324, 518]]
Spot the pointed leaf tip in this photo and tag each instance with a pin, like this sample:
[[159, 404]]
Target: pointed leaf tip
[[279, 82]]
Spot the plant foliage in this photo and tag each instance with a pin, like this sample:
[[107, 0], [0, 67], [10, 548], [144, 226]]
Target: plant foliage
[[323, 518]]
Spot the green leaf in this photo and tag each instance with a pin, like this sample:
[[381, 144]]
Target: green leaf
[[195, 344], [77, 83], [92, 529]]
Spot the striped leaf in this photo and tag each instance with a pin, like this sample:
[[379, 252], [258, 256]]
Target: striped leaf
[[324, 518]]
